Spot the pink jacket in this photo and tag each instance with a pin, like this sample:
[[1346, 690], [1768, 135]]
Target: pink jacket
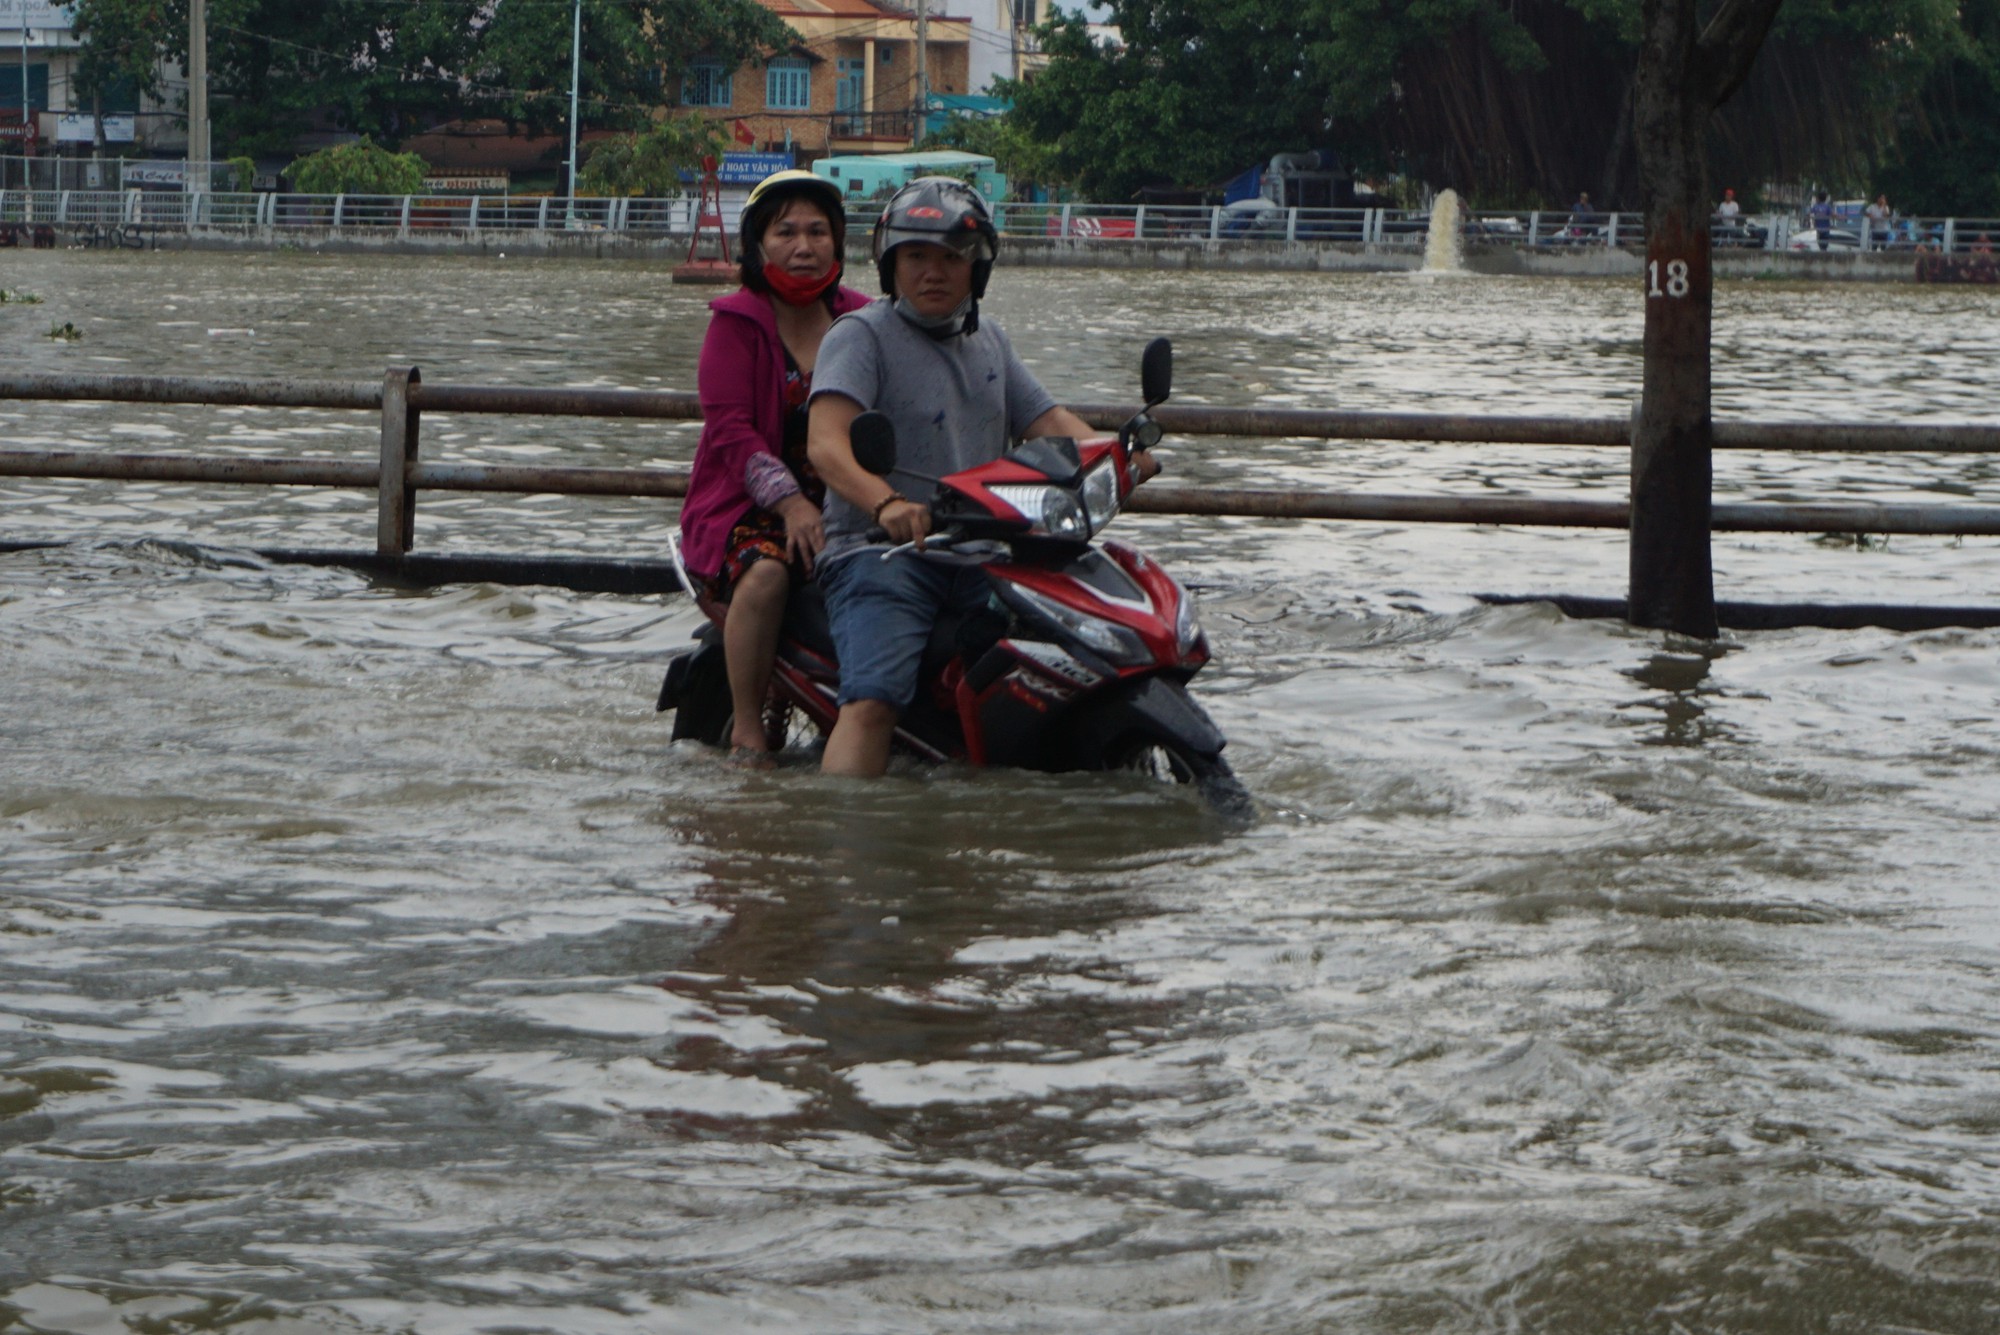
[[742, 386]]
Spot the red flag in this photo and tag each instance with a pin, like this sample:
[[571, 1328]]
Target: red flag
[[743, 135]]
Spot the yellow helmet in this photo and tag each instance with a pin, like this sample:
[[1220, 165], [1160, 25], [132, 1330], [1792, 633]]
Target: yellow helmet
[[797, 181]]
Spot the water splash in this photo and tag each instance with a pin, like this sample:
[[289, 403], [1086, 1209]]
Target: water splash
[[1444, 249]]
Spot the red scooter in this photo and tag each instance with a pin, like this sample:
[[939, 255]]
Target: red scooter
[[1080, 660]]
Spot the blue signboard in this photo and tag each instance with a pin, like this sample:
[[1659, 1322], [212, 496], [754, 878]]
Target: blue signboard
[[750, 168]]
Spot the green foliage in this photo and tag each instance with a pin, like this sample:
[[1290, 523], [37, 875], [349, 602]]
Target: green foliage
[[8, 294], [121, 42], [1516, 99], [244, 172], [650, 163], [393, 70], [359, 168], [65, 332], [1016, 154], [1946, 158]]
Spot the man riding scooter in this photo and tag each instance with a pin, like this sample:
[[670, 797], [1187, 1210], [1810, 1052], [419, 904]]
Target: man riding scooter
[[957, 395]]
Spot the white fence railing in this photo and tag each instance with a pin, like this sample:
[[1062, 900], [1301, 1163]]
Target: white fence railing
[[130, 214]]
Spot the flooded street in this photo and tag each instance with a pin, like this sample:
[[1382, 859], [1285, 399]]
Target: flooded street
[[371, 962]]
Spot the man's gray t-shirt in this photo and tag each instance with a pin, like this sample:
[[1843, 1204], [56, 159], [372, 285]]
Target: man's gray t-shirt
[[955, 402]]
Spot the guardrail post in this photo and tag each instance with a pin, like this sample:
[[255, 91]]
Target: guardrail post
[[542, 215], [1065, 222], [472, 216], [1950, 236], [396, 499], [403, 224], [62, 206], [1291, 227], [1215, 222], [1535, 228], [1611, 233], [339, 207]]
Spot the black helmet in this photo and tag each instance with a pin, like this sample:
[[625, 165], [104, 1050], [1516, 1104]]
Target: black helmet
[[944, 211], [767, 200]]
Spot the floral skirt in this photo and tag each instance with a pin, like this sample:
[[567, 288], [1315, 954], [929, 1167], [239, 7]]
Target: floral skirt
[[758, 536]]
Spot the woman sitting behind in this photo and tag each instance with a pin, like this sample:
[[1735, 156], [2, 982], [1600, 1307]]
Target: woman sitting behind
[[750, 527]]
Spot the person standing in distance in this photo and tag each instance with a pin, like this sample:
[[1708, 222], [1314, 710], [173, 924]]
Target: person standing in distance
[[1821, 214], [1878, 215], [958, 396]]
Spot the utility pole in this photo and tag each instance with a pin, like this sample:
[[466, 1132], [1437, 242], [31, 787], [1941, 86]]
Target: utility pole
[[575, 73], [197, 150], [27, 136], [923, 67]]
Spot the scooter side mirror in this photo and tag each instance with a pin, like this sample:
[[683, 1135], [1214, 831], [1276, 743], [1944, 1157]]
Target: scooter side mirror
[[873, 437], [1156, 371]]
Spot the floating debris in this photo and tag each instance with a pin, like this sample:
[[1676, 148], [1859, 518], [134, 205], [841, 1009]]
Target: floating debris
[[8, 294], [65, 331]]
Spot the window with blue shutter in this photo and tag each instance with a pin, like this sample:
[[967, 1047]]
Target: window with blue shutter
[[788, 85]]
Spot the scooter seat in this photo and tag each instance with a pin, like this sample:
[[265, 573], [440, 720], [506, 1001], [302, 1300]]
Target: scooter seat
[[805, 620]]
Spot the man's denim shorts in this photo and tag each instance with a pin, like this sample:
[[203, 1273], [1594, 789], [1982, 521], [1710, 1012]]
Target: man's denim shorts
[[882, 614]]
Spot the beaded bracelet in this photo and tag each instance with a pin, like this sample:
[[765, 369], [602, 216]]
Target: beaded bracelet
[[884, 504]]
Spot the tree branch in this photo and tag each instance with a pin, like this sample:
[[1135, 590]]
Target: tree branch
[[1728, 47]]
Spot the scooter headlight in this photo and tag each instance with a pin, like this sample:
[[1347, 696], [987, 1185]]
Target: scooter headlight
[[1052, 510], [1100, 494], [1187, 626], [1120, 645]]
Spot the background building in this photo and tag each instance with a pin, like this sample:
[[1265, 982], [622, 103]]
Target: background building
[[848, 84]]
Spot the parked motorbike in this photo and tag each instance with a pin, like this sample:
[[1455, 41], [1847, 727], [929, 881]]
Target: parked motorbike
[[1080, 659]]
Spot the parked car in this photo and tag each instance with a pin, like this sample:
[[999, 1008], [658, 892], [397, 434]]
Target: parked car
[[1738, 234], [1839, 238]]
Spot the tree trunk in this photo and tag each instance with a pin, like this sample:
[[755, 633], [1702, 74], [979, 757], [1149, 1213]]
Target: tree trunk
[[1685, 72], [1672, 582]]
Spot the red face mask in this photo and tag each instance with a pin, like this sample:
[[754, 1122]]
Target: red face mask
[[800, 291]]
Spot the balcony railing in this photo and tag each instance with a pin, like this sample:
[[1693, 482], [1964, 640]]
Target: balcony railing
[[900, 126]]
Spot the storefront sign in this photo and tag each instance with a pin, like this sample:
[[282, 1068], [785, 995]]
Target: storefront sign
[[466, 182], [750, 168], [39, 14], [75, 129], [155, 173]]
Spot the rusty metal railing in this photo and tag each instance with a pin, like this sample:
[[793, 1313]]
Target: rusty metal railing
[[401, 398]]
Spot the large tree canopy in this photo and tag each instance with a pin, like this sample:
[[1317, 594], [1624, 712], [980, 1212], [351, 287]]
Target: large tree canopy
[[277, 67], [1946, 154], [1507, 100]]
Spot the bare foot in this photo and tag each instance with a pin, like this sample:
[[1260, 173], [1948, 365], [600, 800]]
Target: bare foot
[[750, 757]]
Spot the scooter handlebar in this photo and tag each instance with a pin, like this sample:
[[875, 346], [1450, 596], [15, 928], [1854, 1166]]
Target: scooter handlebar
[[941, 540]]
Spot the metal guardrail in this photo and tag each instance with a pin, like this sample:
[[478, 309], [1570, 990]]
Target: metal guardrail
[[401, 398], [153, 211]]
